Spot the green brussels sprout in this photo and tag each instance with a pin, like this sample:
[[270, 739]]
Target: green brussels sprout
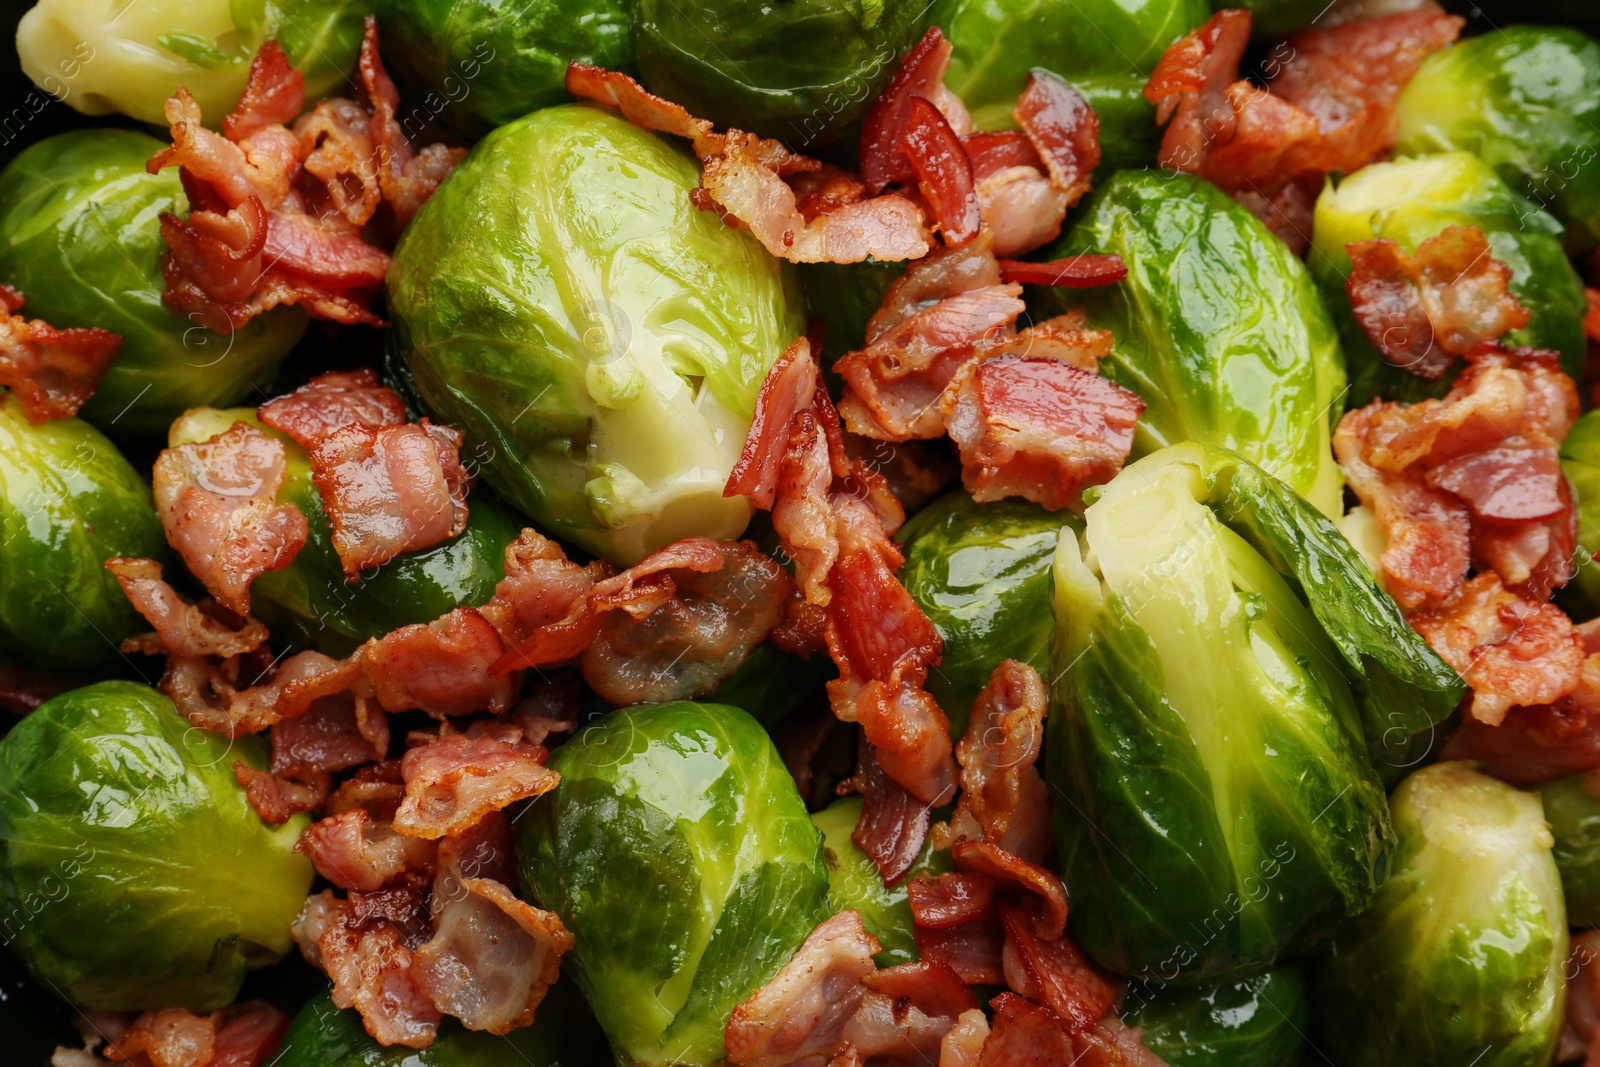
[[563, 1034], [678, 852], [1460, 957], [1218, 811], [1526, 100], [601, 341], [1218, 327], [80, 237], [68, 503], [1275, 19], [772, 684], [134, 874], [1253, 1022], [1580, 459], [478, 64], [1411, 200], [854, 882], [310, 603], [846, 296], [981, 573], [102, 57], [1573, 813], [800, 71]]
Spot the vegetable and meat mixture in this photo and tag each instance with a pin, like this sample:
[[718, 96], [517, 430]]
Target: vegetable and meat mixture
[[829, 533]]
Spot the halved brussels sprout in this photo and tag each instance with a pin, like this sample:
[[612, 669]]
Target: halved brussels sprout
[[1411, 200], [1573, 812], [1580, 459], [854, 882], [102, 56], [478, 64], [1526, 100], [1460, 957], [309, 602], [69, 501], [981, 573], [1218, 327], [799, 71], [80, 237], [134, 874], [1254, 1022], [1218, 813], [678, 852], [599, 339], [563, 1034]]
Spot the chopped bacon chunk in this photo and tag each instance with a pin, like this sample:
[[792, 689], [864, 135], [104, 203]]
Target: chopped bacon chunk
[[906, 1012], [972, 950], [170, 1037], [329, 401], [803, 1010], [1063, 129], [1539, 744], [275, 798], [217, 501], [1024, 1032], [208, 694], [1509, 649], [540, 587], [939, 902], [51, 372], [1038, 428], [1020, 208], [454, 782], [893, 823], [355, 851], [963, 1045], [1053, 970], [371, 967], [944, 173], [1078, 272], [785, 392], [181, 628], [335, 733], [883, 131], [1014, 873], [1422, 310], [407, 177], [390, 490], [441, 667], [1003, 799]]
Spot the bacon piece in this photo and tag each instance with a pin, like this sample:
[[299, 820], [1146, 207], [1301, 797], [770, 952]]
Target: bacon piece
[[1024, 1032], [940, 902], [1063, 129], [441, 667], [335, 733], [1421, 310], [1003, 799], [355, 851], [408, 178], [963, 1045], [1583, 990], [1038, 428], [1509, 649], [1020, 208], [208, 695], [1077, 272], [694, 641], [1112, 1043], [171, 1037], [371, 970], [273, 95], [802, 511], [1539, 744], [1054, 970], [51, 372], [785, 392], [1011, 872], [181, 628], [638, 591], [803, 1010], [944, 173], [277, 799], [1189, 84], [336, 149], [540, 587], [250, 1035], [883, 130], [390, 490], [456, 781], [332, 400], [217, 504], [972, 950], [906, 1012], [893, 824]]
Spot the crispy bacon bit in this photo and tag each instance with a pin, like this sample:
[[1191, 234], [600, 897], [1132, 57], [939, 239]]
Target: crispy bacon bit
[[939, 902], [1038, 428], [540, 587], [242, 1035], [357, 852], [181, 628], [441, 667], [1422, 310], [1063, 129], [390, 490], [1003, 799], [1509, 649], [1013, 873], [972, 950], [785, 392], [407, 177], [944, 173], [963, 1045], [217, 504], [883, 131], [893, 823], [1078, 272], [329, 401], [456, 781], [1019, 207], [803, 1010], [370, 966], [1539, 744], [277, 799], [906, 1012], [51, 372], [1025, 1032], [1053, 970]]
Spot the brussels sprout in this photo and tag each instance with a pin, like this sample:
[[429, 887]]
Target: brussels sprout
[[80, 237], [772, 684], [310, 602], [134, 874], [1580, 459], [799, 71], [679, 854], [1218, 327], [563, 1034], [1254, 1022], [1274, 19], [1218, 812], [981, 573], [1526, 100], [68, 503], [1460, 957], [102, 56], [478, 64], [1573, 813], [846, 296], [854, 882], [562, 302], [1411, 200]]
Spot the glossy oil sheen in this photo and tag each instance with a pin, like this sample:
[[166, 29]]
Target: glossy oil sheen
[[1253, 1022], [1574, 817], [1580, 460]]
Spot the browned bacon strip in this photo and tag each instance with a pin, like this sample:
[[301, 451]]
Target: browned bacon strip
[[1063, 128], [441, 667], [51, 372], [181, 628], [883, 131], [1078, 272], [454, 782], [785, 392], [332, 400], [1538, 744], [370, 965], [944, 173]]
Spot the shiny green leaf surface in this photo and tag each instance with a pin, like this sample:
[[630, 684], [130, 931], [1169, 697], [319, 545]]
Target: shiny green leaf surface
[[598, 339], [1460, 957], [134, 874], [1261, 373], [1272, 20], [1253, 1022], [1573, 813], [1580, 459], [678, 852]]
